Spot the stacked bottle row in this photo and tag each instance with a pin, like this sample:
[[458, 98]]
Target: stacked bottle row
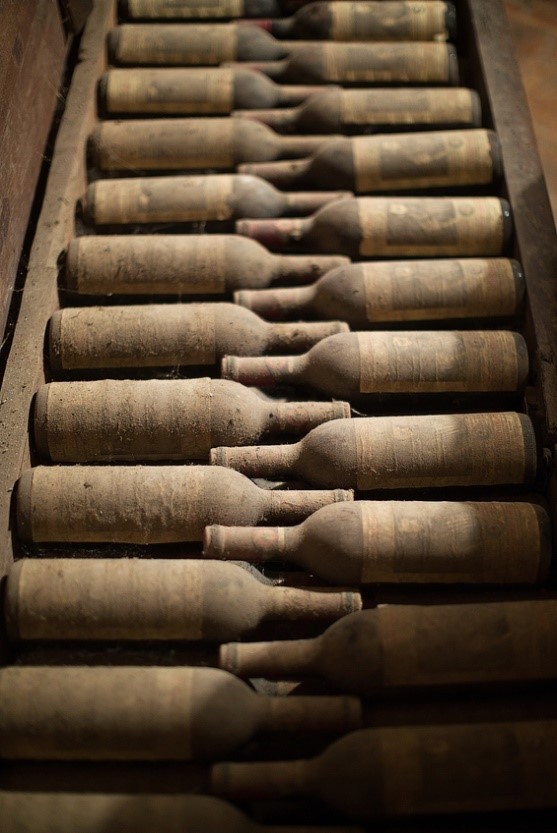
[[386, 383]]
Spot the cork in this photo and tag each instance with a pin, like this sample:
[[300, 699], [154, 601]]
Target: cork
[[150, 504], [444, 450], [185, 9], [443, 226], [439, 289], [173, 199], [390, 63], [173, 44], [442, 542], [173, 91], [442, 362], [165, 144], [421, 106], [27, 811], [152, 335], [425, 160], [407, 21]]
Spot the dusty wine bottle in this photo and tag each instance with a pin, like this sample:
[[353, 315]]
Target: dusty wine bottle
[[161, 713], [402, 452], [413, 770], [194, 264], [132, 598], [364, 64], [192, 144], [396, 362], [162, 419], [22, 812], [406, 290], [400, 646], [191, 44], [397, 542], [205, 9], [150, 504], [384, 21], [191, 199], [393, 227], [375, 111], [393, 162], [169, 335], [209, 91]]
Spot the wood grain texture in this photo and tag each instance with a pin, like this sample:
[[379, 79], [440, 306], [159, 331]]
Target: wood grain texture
[[32, 52]]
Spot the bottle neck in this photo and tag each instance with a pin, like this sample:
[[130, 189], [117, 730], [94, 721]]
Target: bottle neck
[[263, 371], [281, 120], [291, 506], [296, 337], [292, 660], [277, 303], [293, 604], [272, 69], [259, 780], [302, 269], [303, 203], [301, 417], [291, 174], [334, 715], [277, 235], [272, 462]]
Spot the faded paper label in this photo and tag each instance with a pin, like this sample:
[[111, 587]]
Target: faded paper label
[[408, 21], [184, 9], [406, 106], [176, 91], [422, 160], [177, 44], [437, 362], [386, 63], [414, 290], [428, 226]]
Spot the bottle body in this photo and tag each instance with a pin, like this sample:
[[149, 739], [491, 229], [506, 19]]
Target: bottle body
[[168, 335], [195, 264], [148, 504], [408, 452], [399, 542], [368, 294]]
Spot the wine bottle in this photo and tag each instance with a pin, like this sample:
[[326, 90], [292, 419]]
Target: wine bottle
[[375, 110], [396, 362], [149, 504], [413, 770], [132, 598], [162, 419], [196, 264], [402, 452], [191, 144], [191, 199], [395, 162], [209, 91], [397, 542], [364, 64], [392, 291], [191, 44], [394, 227], [46, 812], [169, 335], [385, 21], [398, 647], [149, 713], [204, 9]]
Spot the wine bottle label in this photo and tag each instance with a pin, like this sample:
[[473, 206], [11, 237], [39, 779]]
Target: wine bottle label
[[437, 362], [407, 21], [385, 62], [403, 227], [203, 45], [428, 160], [125, 598], [177, 199], [439, 289], [449, 542], [442, 450], [184, 91], [453, 106], [185, 8], [164, 335], [98, 713]]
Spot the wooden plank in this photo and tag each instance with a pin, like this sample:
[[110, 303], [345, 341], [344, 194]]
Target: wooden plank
[[66, 182], [32, 53], [494, 60]]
